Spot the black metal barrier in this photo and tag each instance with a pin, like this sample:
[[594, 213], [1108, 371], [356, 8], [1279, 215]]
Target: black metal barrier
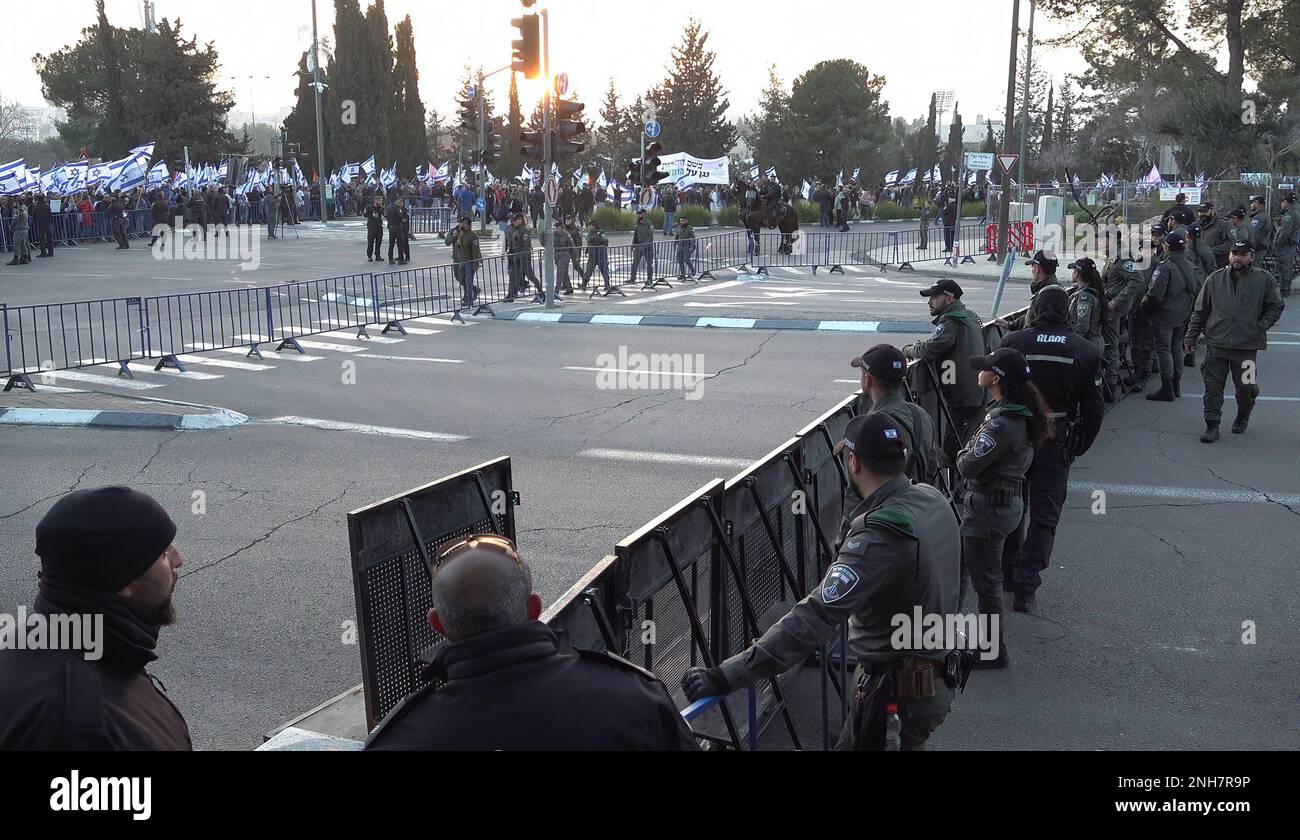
[[394, 546]]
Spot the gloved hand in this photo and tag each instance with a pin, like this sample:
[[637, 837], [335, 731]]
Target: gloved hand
[[699, 683]]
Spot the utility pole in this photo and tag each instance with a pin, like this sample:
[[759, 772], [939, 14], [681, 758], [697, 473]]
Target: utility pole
[[1004, 212], [482, 182], [325, 189], [1024, 111], [548, 235]]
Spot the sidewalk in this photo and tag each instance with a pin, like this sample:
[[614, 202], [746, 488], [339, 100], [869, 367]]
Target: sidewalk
[[61, 406]]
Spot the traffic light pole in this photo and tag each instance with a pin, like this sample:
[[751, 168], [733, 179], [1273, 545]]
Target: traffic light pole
[[548, 235], [482, 183], [641, 186], [320, 125]]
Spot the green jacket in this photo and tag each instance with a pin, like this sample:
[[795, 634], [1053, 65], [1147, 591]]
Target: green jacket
[[518, 240], [1174, 284], [464, 246], [1287, 228], [957, 337], [1203, 261], [998, 454], [1261, 231], [902, 553], [1087, 313], [1217, 236], [643, 233], [1235, 310], [1124, 284], [1026, 319]]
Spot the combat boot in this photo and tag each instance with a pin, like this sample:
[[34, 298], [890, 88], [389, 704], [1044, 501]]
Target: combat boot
[[1178, 383], [15, 260], [1166, 392], [1139, 383], [1243, 418], [1211, 433]]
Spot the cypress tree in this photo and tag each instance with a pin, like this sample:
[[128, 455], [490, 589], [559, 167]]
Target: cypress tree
[[378, 70], [410, 143]]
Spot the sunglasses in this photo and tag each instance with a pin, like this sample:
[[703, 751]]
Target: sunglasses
[[494, 541]]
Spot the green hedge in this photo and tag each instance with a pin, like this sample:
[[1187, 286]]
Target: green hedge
[[610, 218], [888, 211], [809, 213], [729, 216]]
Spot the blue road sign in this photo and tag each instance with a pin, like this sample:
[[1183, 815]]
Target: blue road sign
[[652, 129]]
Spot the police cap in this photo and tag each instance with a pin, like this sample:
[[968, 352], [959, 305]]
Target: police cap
[[943, 287], [873, 437], [1006, 362], [883, 361]]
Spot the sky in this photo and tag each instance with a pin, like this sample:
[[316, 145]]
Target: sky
[[919, 47]]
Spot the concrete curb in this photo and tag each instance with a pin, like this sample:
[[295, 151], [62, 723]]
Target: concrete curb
[[222, 419], [715, 322]]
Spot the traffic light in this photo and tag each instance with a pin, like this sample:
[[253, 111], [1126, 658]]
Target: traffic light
[[532, 148], [527, 55], [568, 128], [468, 114], [653, 175], [491, 147], [633, 175]]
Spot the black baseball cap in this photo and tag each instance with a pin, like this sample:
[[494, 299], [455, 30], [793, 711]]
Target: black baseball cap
[[1176, 239], [1206, 205], [943, 287], [883, 361], [1237, 212], [1244, 245], [466, 219], [1006, 362], [1258, 199], [1047, 259], [1158, 230], [1289, 198], [873, 437], [1083, 264], [1195, 229]]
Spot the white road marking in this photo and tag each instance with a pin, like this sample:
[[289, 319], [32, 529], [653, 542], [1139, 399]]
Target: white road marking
[[225, 363], [1188, 494], [419, 330], [712, 287], [55, 389], [374, 338], [364, 428], [325, 345], [416, 359], [98, 379], [176, 374], [238, 351], [664, 458]]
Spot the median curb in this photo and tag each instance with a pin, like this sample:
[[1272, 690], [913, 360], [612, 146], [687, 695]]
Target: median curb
[[221, 419]]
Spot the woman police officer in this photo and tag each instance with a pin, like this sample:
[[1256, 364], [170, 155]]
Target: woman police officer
[[992, 466]]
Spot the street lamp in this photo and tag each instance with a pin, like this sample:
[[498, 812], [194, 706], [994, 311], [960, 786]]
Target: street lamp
[[252, 104]]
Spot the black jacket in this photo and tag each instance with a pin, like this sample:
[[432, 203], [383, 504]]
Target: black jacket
[[512, 689], [59, 700]]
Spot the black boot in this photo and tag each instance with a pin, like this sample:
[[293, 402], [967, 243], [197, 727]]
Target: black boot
[[1211, 432], [1178, 383], [1139, 383], [1243, 418], [15, 261], [1166, 392]]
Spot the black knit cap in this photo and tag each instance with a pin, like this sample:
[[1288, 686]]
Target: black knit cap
[[102, 539]]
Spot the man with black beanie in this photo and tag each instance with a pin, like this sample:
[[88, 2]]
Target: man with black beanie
[[107, 562]]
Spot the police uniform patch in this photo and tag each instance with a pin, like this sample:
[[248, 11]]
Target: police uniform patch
[[840, 580], [984, 444], [1129, 266], [934, 333]]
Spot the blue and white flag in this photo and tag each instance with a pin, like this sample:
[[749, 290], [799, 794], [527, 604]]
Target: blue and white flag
[[839, 179], [909, 178], [753, 172], [11, 175], [1056, 184], [859, 169], [891, 178], [602, 181], [771, 173], [132, 174], [970, 178], [806, 192], [368, 166], [159, 174], [144, 150], [442, 173], [526, 174]]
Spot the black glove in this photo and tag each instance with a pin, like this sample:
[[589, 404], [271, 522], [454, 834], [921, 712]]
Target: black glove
[[699, 683]]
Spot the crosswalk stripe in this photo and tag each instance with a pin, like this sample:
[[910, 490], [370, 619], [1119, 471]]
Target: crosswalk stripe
[[419, 330], [225, 363], [176, 374], [325, 345], [374, 339], [99, 379], [243, 351]]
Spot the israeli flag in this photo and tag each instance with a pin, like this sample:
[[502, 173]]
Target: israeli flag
[[806, 192], [1056, 184], [442, 173], [11, 174], [771, 173], [753, 172], [368, 166], [223, 171], [891, 178], [132, 175], [159, 174], [144, 150], [909, 178], [859, 169], [602, 181], [970, 178]]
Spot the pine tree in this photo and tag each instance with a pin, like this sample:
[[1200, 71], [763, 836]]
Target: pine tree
[[927, 145], [511, 156], [954, 150], [1065, 126], [773, 139], [348, 101], [1046, 146], [410, 143], [607, 145], [436, 134], [378, 69], [691, 101], [114, 133]]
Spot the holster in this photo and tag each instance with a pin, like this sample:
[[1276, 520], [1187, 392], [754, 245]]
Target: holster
[[875, 692], [914, 678]]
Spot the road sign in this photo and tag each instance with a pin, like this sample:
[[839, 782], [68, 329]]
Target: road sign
[[652, 129], [1008, 161], [470, 93], [647, 197], [562, 84], [552, 190], [979, 161]]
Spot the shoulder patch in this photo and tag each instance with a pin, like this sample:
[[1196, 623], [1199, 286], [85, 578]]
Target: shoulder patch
[[934, 333], [984, 444], [1129, 266], [840, 580]]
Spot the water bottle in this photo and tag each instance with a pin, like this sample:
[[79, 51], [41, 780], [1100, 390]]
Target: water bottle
[[893, 728]]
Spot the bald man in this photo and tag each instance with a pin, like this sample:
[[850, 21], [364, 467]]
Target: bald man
[[507, 686]]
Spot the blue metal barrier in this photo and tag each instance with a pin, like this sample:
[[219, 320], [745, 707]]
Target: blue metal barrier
[[62, 336]]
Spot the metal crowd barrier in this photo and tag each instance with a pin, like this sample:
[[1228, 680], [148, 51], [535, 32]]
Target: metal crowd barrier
[[432, 220], [59, 336], [394, 545]]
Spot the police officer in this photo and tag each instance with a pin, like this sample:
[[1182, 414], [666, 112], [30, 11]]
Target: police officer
[[1086, 312], [1214, 233], [1042, 269], [1235, 309], [1201, 258], [643, 237], [1180, 213], [1285, 242], [901, 555], [685, 236], [1261, 229], [1238, 229], [597, 255], [575, 233], [375, 230], [1167, 304], [958, 336], [519, 259], [500, 682], [563, 258], [1067, 371], [992, 466], [466, 257], [393, 216], [1124, 286], [404, 235], [1141, 335]]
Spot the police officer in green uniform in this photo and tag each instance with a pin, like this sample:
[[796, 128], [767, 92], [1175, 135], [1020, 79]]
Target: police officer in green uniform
[[1285, 241], [901, 555], [597, 255], [563, 258], [1235, 309], [519, 259], [1042, 267], [1124, 286], [1086, 313], [643, 249], [1238, 228], [993, 466], [958, 336], [1199, 255], [1167, 304], [1261, 229], [883, 368], [1142, 338], [1215, 233]]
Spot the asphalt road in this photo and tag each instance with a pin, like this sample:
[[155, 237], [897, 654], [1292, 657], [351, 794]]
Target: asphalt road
[[1137, 638]]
